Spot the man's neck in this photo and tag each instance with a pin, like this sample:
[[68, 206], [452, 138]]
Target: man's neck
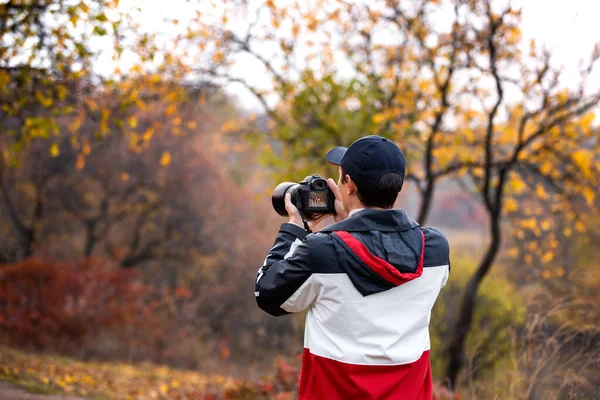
[[352, 212], [361, 207]]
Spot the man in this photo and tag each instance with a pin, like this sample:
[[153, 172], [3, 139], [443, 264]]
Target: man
[[369, 282]]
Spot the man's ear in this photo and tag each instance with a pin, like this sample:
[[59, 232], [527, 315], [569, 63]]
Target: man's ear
[[351, 185]]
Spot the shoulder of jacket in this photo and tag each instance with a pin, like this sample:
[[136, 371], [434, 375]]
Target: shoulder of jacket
[[437, 248], [316, 239], [433, 233]]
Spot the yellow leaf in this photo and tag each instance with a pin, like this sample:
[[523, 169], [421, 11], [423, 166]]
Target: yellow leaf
[[171, 109], [54, 150], [378, 118], [218, 57], [229, 126], [546, 225], [165, 159], [589, 195], [547, 274], [588, 119], [80, 164], [512, 252], [511, 205], [560, 272], [517, 185], [546, 168], [583, 159], [148, 134], [547, 257], [164, 388], [133, 122], [124, 176], [44, 101], [541, 192], [567, 232]]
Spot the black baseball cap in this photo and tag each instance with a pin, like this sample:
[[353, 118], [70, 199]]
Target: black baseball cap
[[368, 158]]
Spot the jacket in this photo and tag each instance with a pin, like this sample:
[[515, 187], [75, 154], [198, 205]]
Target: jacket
[[369, 283]]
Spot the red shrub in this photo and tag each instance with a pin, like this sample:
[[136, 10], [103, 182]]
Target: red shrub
[[63, 304]]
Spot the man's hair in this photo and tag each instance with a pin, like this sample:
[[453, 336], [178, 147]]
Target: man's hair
[[383, 195]]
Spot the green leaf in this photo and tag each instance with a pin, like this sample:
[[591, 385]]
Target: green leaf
[[101, 17], [81, 50], [100, 31]]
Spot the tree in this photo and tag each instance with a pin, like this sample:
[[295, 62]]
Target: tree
[[441, 90], [46, 62], [42, 63], [549, 130], [52, 99]]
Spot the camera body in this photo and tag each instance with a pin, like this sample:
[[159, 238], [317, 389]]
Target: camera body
[[311, 196]]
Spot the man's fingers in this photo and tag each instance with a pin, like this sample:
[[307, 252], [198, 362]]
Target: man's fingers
[[289, 206], [288, 201], [334, 188]]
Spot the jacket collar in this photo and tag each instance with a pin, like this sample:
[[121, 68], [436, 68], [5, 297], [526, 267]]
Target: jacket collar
[[395, 220]]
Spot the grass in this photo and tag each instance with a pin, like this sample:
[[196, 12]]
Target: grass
[[31, 385], [49, 374]]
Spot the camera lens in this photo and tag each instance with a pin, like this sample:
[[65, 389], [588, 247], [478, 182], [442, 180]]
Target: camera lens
[[278, 197]]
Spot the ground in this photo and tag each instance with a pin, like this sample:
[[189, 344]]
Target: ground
[[9, 391], [34, 376], [53, 375]]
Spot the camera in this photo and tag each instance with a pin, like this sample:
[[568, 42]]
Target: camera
[[311, 196]]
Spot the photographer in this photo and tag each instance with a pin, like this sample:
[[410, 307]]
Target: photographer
[[368, 281]]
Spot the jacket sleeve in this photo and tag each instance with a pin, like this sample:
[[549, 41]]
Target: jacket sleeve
[[283, 283]]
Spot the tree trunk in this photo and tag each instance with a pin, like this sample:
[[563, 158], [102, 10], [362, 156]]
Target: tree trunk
[[90, 241], [29, 236], [426, 199], [465, 319]]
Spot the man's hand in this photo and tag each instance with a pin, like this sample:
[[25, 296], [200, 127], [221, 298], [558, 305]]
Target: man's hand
[[296, 218], [340, 212]]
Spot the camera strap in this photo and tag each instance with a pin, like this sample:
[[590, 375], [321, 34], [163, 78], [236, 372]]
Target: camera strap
[[305, 222]]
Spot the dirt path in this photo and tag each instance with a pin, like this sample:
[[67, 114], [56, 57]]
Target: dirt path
[[11, 392]]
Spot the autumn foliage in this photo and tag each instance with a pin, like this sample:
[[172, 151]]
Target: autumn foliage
[[65, 305]]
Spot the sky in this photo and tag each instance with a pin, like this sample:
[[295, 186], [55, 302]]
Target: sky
[[568, 28]]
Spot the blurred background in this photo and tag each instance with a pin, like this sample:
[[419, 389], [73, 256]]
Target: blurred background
[[140, 142]]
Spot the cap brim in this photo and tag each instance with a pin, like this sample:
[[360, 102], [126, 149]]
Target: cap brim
[[335, 155]]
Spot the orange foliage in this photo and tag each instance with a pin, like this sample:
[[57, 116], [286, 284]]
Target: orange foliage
[[54, 304]]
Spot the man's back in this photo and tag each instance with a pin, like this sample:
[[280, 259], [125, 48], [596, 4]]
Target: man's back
[[369, 284]]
